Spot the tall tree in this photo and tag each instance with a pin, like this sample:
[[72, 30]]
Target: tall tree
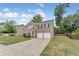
[[59, 11], [37, 18]]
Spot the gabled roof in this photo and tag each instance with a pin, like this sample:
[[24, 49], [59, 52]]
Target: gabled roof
[[40, 22], [48, 21], [30, 23], [19, 25]]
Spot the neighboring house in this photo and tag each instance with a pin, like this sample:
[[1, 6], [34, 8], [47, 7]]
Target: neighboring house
[[19, 29], [45, 29]]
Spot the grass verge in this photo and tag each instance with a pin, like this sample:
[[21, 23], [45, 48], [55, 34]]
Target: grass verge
[[7, 40]]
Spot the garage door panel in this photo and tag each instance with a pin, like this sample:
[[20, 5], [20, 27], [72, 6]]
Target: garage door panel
[[39, 35], [43, 35], [47, 35]]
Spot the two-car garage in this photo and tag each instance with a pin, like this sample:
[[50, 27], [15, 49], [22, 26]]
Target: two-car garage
[[44, 35]]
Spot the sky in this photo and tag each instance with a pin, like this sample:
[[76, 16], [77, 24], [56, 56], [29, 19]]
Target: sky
[[22, 13]]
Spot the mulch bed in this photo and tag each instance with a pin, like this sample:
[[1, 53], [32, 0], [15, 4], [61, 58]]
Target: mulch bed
[[71, 36], [60, 34]]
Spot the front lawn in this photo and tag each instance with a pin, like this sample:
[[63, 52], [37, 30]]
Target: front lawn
[[61, 45], [7, 40]]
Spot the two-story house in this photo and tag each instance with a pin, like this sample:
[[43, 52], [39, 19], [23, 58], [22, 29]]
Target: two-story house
[[44, 29]]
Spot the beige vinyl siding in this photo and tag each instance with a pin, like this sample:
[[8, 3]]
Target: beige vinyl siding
[[44, 28]]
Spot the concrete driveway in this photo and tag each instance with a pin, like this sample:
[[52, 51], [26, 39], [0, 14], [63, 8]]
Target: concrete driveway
[[32, 47]]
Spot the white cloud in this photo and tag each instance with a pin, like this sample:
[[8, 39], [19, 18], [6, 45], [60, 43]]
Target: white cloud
[[39, 11], [15, 15], [29, 17], [7, 13], [23, 15], [40, 4], [42, 13], [1, 15], [19, 17], [22, 21], [11, 15], [25, 18], [6, 10]]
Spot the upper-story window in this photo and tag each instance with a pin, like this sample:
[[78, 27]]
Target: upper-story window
[[44, 25], [41, 26], [48, 25]]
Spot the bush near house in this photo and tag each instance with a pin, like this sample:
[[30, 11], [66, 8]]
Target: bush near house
[[26, 36]]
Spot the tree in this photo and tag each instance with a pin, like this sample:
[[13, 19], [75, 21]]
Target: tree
[[71, 23], [37, 18], [59, 11], [9, 27]]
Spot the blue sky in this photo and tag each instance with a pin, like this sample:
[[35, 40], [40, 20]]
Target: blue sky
[[22, 13]]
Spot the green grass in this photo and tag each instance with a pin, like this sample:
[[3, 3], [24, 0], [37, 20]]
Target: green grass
[[61, 46], [7, 40]]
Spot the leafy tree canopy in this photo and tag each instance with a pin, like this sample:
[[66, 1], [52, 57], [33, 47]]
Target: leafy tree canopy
[[59, 11], [37, 18], [9, 27]]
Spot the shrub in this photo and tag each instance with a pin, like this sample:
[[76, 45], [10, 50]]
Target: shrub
[[26, 36]]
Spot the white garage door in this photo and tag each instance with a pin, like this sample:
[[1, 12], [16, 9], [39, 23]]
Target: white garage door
[[43, 35], [47, 35], [39, 35]]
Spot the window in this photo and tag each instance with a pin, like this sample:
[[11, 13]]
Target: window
[[41, 25], [44, 25], [48, 25]]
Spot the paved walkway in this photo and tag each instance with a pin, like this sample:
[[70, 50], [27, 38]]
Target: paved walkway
[[32, 47]]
